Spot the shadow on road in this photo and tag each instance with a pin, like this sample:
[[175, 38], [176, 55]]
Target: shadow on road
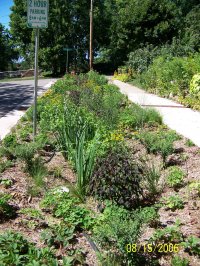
[[13, 95]]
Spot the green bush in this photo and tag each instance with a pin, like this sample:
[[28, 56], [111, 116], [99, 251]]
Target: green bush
[[175, 176], [170, 234], [117, 227], [117, 178], [171, 76], [136, 117], [5, 165], [10, 140], [160, 141], [195, 86]]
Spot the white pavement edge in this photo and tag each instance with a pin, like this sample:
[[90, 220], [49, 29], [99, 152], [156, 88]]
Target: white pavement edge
[[10, 120]]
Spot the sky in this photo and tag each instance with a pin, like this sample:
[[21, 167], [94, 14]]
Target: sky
[[5, 12]]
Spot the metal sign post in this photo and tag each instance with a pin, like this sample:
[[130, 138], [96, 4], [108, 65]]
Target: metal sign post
[[35, 84], [66, 49], [37, 18]]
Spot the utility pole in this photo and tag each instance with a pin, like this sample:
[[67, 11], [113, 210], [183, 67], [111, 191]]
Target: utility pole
[[91, 35]]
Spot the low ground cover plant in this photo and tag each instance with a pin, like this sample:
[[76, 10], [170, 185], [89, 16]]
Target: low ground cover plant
[[64, 205], [6, 210], [16, 250], [175, 176], [173, 202]]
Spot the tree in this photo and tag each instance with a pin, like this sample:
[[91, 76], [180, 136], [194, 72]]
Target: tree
[[7, 52], [68, 26]]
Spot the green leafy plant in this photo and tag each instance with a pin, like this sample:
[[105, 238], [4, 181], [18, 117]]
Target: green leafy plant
[[170, 234], [160, 141], [65, 206], [5, 165], [31, 213], [116, 227], [58, 235], [136, 117], [192, 245], [117, 178], [6, 182], [16, 250], [173, 202], [189, 143], [178, 261], [6, 211], [195, 86], [175, 176]]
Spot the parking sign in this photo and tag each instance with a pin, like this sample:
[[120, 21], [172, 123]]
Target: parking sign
[[37, 13]]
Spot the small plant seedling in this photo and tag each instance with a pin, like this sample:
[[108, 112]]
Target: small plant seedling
[[189, 143], [175, 176], [173, 202], [6, 183], [31, 213], [178, 261], [6, 211], [192, 245]]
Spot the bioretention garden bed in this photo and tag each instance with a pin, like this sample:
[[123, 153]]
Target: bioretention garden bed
[[104, 183]]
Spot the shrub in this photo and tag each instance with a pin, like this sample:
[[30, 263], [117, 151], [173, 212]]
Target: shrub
[[195, 86], [160, 141], [175, 176], [10, 140], [171, 75], [5, 165], [117, 227], [96, 78], [136, 117], [117, 178]]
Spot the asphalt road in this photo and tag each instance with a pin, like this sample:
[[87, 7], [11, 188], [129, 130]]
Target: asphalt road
[[19, 94]]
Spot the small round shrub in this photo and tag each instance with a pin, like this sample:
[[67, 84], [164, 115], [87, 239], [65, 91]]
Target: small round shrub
[[195, 85], [116, 177]]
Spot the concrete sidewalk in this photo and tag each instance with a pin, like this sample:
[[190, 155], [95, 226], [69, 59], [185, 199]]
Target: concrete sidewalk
[[184, 120]]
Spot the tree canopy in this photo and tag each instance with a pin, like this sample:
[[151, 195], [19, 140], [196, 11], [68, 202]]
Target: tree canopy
[[120, 27]]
